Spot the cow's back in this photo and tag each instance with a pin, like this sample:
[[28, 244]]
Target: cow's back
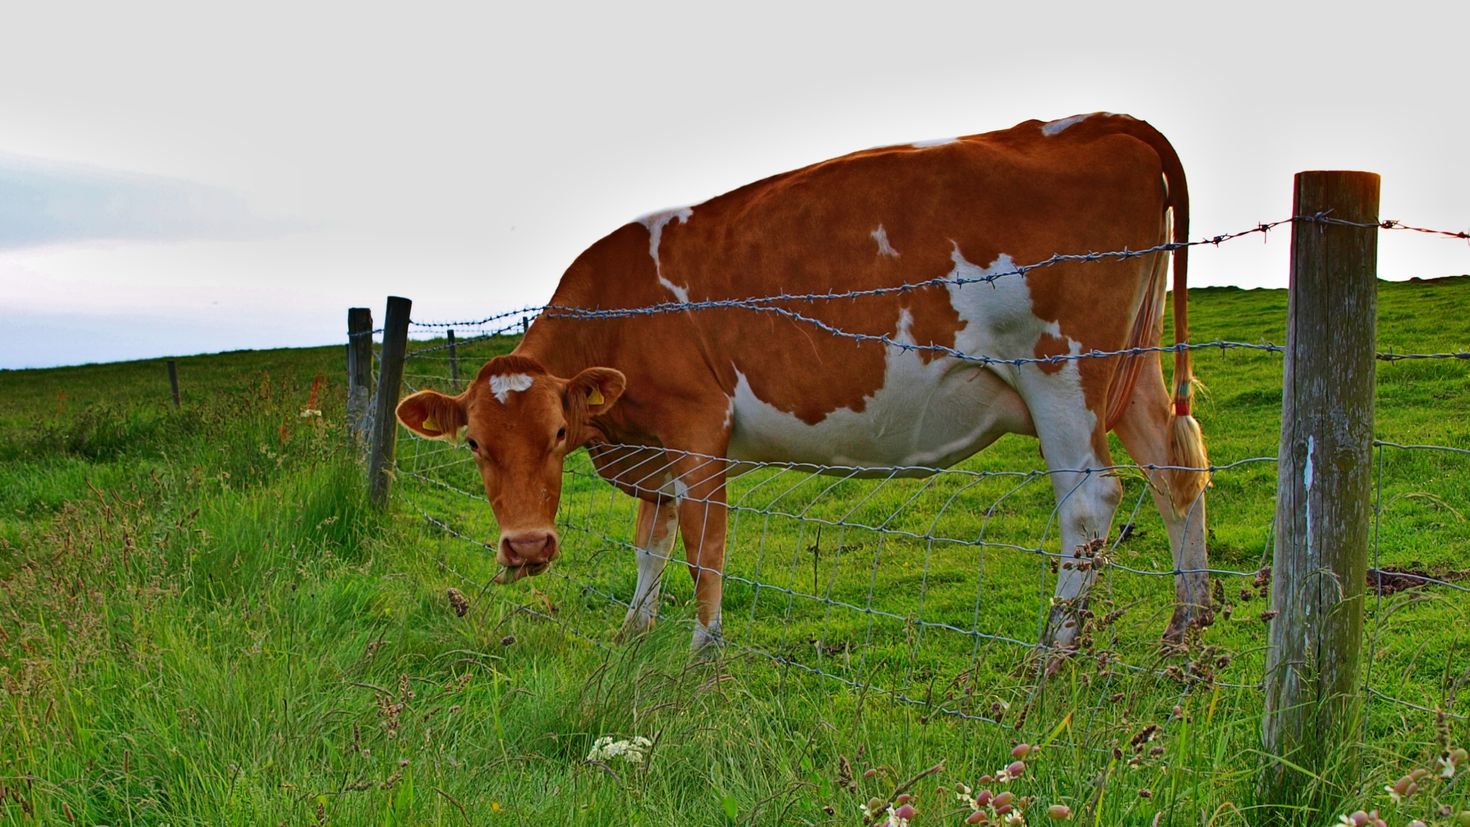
[[968, 208]]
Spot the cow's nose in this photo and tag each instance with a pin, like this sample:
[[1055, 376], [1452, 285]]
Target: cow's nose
[[528, 547]]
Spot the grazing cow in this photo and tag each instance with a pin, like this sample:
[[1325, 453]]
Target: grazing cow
[[771, 384]]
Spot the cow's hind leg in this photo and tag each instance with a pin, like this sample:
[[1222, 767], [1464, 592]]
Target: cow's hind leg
[[1146, 430], [1076, 450], [702, 526], [655, 540]]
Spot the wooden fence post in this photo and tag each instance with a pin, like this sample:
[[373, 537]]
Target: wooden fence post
[[1323, 495], [173, 380], [359, 372], [453, 363], [385, 402]]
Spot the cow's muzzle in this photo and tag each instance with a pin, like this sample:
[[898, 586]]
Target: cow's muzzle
[[525, 553]]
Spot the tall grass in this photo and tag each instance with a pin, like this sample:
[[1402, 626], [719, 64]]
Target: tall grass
[[202, 622]]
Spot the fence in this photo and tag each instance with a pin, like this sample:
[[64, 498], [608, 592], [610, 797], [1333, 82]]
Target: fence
[[931, 586]]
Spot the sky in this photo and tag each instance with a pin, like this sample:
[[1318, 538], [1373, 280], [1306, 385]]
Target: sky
[[179, 178]]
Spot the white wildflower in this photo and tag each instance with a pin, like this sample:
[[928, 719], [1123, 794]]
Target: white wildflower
[[605, 749]]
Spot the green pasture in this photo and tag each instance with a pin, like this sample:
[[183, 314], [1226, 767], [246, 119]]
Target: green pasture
[[202, 621]]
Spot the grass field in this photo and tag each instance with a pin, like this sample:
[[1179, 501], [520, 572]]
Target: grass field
[[203, 622]]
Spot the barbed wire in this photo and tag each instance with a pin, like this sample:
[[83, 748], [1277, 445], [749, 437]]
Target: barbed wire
[[1325, 217], [1403, 357], [1261, 228], [524, 312], [770, 303], [785, 492]]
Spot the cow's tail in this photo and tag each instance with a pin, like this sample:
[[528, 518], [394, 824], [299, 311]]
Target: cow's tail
[[1187, 444], [1189, 473]]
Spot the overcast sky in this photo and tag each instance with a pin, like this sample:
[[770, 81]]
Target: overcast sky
[[183, 178]]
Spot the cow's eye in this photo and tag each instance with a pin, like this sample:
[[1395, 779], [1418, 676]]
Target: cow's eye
[[474, 446], [561, 433]]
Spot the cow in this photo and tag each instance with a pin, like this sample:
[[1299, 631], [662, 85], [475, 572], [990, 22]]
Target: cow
[[876, 374]]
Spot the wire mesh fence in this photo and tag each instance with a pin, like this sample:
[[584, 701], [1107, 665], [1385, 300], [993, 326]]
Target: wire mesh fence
[[933, 587]]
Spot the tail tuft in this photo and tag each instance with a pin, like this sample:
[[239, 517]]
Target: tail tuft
[[1191, 474]]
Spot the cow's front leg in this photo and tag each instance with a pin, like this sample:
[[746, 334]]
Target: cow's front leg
[[655, 540], [702, 523]]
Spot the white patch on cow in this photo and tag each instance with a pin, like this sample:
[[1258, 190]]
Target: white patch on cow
[[933, 142], [652, 557], [880, 235], [995, 304], [655, 222], [931, 414], [675, 489], [1058, 126], [503, 385], [1001, 321]]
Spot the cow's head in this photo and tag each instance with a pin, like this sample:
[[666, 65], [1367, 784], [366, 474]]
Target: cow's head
[[519, 422]]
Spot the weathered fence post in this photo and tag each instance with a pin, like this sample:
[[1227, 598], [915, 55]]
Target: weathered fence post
[[1323, 494], [173, 380], [453, 363], [359, 372], [385, 401], [525, 325]]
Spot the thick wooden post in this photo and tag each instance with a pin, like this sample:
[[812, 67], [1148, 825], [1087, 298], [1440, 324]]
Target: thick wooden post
[[359, 372], [173, 380], [385, 402], [1323, 494], [453, 363]]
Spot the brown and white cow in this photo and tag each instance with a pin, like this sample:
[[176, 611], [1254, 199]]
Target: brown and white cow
[[752, 385]]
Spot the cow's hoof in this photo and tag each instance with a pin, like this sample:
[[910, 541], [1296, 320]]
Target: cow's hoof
[[634, 628], [1061, 629], [1185, 618], [708, 642], [1053, 659]]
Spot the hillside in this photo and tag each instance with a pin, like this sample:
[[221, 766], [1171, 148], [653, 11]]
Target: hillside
[[203, 622]]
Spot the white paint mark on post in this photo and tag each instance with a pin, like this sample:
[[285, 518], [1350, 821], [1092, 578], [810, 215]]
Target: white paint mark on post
[[1307, 485]]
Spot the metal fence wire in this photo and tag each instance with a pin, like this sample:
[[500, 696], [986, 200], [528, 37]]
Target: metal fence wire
[[932, 587]]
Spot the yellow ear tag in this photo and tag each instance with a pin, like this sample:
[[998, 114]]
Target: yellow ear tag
[[430, 424], [594, 397]]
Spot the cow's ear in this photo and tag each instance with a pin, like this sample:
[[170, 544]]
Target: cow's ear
[[433, 415], [596, 389]]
